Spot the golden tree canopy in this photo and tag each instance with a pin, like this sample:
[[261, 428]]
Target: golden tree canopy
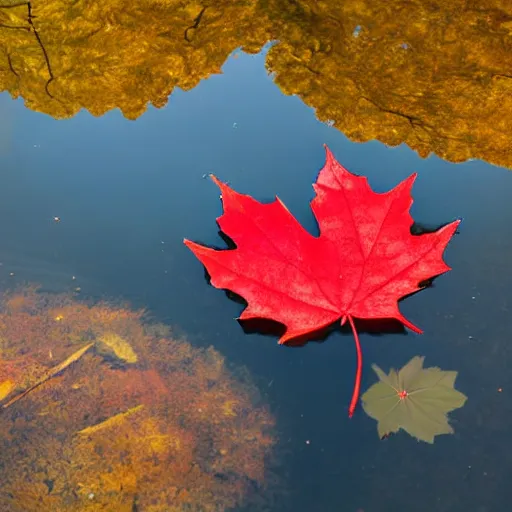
[[62, 56], [435, 75]]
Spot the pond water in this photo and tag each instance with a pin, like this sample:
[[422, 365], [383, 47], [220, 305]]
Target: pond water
[[98, 207]]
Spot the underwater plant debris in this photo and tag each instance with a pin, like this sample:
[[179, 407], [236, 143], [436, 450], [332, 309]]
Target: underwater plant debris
[[139, 422]]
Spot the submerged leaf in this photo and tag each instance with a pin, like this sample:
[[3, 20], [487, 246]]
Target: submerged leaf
[[113, 420], [121, 348], [414, 399], [51, 373]]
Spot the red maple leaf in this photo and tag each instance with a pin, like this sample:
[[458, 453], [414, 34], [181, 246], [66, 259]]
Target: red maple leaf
[[364, 260]]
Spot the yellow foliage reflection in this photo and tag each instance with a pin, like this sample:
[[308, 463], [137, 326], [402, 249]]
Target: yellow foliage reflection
[[62, 56], [115, 414], [435, 75]]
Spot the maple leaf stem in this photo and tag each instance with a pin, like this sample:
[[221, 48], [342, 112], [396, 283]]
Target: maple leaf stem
[[357, 383]]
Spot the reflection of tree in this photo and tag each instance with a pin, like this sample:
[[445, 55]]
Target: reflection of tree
[[101, 55], [30, 27], [435, 75]]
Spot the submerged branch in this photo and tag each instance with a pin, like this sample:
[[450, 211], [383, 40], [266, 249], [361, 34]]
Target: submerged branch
[[50, 374]]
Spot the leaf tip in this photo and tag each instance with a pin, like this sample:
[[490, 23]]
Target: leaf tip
[[195, 248], [409, 181], [328, 152], [216, 180], [409, 324], [450, 229]]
